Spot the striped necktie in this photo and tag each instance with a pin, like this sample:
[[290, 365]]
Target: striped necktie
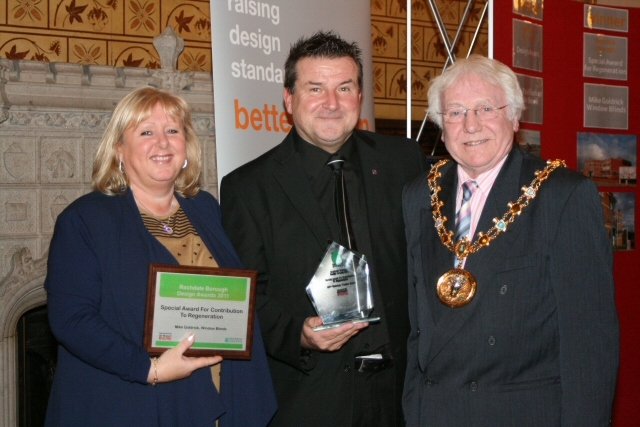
[[463, 217]]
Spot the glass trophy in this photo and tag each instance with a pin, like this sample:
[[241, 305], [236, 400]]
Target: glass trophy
[[340, 289]]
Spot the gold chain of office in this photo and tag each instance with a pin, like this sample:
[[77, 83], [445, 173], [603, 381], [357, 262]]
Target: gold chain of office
[[457, 286]]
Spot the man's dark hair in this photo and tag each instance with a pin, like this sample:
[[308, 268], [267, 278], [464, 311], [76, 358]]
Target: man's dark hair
[[320, 45]]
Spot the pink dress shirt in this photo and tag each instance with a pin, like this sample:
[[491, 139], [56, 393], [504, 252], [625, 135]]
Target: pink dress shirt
[[485, 181]]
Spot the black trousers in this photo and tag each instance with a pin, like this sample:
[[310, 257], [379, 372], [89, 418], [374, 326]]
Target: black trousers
[[375, 403]]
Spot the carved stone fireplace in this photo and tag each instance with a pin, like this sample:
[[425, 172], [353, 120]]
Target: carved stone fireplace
[[52, 118]]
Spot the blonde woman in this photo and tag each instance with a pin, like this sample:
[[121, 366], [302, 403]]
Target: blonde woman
[[146, 207]]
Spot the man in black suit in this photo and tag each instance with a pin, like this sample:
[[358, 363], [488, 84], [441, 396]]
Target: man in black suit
[[279, 213], [523, 331]]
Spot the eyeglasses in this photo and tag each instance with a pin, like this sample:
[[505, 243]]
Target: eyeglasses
[[458, 114]]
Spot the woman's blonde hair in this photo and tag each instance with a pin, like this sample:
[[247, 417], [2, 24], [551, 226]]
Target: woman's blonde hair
[[133, 109]]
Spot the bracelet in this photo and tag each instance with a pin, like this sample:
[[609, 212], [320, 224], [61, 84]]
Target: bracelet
[[155, 371]]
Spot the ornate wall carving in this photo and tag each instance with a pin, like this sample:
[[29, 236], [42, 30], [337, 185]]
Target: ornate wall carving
[[54, 116], [20, 291]]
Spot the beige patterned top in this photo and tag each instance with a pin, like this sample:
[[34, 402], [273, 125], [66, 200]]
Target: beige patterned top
[[186, 245]]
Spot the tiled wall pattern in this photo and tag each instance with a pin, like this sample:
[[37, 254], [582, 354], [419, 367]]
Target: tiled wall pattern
[[120, 32], [104, 32], [389, 41]]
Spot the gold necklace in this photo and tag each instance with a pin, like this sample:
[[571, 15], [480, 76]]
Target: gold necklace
[[457, 287], [166, 227]]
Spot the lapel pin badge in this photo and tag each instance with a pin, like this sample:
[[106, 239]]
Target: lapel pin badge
[[374, 171]]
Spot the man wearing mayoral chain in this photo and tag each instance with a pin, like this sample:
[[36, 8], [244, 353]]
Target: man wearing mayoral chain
[[511, 295]]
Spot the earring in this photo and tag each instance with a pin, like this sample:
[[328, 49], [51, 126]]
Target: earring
[[120, 167], [185, 164]]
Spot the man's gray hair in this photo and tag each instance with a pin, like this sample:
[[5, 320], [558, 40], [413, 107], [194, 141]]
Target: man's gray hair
[[489, 70]]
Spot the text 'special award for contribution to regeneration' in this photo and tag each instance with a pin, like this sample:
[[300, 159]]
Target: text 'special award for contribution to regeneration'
[[217, 304]]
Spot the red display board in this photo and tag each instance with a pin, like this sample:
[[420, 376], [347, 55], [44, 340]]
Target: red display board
[[563, 93]]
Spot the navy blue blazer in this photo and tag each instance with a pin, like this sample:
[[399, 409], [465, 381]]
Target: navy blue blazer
[[538, 345], [96, 284]]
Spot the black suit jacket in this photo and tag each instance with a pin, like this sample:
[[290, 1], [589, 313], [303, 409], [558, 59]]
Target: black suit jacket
[[275, 224], [538, 345]]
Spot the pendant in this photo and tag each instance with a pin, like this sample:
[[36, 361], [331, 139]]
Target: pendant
[[167, 229], [456, 287]]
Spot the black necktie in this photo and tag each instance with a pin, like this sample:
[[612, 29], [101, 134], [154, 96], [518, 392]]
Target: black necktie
[[341, 203]]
